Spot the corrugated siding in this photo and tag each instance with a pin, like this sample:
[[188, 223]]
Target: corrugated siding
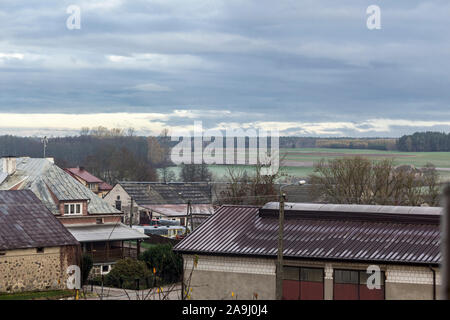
[[239, 230]]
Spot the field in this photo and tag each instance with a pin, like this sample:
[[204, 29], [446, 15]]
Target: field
[[299, 162]]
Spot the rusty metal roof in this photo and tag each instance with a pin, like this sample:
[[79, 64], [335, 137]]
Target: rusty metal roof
[[349, 233], [27, 223], [83, 174]]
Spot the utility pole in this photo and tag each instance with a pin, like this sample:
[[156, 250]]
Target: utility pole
[[45, 142], [445, 294], [279, 276], [190, 214], [131, 213]]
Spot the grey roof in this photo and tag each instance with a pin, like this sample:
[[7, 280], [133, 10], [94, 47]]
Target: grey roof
[[356, 212], [47, 181], [180, 210], [146, 193], [380, 234], [3, 176], [26, 223], [103, 232]]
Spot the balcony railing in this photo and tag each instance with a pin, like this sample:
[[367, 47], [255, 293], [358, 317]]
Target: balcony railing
[[112, 255]]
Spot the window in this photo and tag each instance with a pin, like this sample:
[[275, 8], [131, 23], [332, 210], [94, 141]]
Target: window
[[302, 283], [346, 276], [352, 285], [40, 250], [118, 204], [105, 269], [72, 208], [99, 220], [2, 253]]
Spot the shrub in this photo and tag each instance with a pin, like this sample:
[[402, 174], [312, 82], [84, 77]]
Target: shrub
[[167, 264], [125, 273], [86, 267]]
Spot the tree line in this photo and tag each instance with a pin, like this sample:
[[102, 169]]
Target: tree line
[[424, 142], [111, 154]]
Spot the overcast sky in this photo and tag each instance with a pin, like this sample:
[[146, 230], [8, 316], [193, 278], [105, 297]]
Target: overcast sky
[[309, 68]]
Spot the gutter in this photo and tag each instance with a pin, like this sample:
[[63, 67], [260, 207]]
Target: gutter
[[434, 281], [248, 255]]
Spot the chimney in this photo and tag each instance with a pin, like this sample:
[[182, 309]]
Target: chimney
[[9, 165]]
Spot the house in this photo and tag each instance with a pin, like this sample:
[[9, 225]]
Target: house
[[162, 200], [35, 248], [328, 250], [96, 185], [90, 219]]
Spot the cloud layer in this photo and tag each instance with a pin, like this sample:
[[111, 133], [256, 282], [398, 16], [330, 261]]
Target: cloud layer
[[306, 67]]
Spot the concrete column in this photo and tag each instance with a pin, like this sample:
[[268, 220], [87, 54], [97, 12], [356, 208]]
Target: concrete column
[[328, 282]]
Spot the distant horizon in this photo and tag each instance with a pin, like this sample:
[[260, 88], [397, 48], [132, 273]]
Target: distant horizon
[[151, 124]]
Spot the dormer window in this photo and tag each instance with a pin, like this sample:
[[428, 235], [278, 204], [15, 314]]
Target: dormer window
[[72, 209], [93, 186]]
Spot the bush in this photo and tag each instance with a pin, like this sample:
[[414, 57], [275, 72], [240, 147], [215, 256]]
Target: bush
[[167, 264], [86, 267], [125, 273]]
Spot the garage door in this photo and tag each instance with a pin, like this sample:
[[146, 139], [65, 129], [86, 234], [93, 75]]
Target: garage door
[[352, 285], [302, 283]]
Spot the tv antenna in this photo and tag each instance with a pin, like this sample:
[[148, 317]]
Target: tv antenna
[[44, 142]]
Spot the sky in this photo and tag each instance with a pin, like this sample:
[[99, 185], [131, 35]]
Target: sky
[[304, 67]]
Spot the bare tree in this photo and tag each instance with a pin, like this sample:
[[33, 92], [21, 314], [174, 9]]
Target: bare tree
[[244, 188], [359, 180], [195, 173]]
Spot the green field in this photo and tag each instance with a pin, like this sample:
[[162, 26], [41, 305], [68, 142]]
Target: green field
[[418, 159], [299, 162]]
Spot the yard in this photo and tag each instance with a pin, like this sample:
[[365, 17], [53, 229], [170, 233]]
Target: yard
[[38, 295]]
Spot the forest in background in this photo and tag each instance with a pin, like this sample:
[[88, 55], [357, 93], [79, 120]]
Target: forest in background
[[116, 154]]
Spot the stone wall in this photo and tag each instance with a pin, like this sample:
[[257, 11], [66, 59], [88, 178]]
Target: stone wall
[[27, 270]]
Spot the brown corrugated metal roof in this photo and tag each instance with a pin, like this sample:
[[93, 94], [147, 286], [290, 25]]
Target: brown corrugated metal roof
[[27, 223], [244, 230], [83, 174]]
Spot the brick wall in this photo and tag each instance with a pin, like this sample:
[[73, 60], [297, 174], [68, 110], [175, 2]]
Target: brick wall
[[92, 219]]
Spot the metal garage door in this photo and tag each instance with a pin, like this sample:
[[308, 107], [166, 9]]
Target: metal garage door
[[303, 283]]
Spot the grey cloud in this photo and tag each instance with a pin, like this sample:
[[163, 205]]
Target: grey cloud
[[284, 61]]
